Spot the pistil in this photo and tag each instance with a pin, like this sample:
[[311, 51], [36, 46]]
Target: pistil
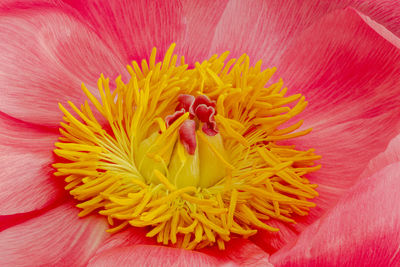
[[195, 159]]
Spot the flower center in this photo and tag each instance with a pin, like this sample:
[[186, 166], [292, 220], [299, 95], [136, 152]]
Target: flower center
[[191, 154], [196, 156]]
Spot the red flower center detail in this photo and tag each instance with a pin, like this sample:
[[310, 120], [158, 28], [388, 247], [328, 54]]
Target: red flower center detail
[[202, 111]]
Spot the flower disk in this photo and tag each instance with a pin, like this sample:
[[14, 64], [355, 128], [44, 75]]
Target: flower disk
[[191, 154]]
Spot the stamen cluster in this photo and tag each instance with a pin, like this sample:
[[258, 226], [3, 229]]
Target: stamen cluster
[[126, 156]]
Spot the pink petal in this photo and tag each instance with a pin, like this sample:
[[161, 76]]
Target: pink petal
[[199, 19], [133, 28], [265, 28], [389, 156], [359, 66], [242, 252], [238, 252], [46, 55], [147, 255], [128, 237], [363, 229], [8, 5], [26, 182], [385, 12], [189, 23], [58, 237], [352, 83], [202, 18]]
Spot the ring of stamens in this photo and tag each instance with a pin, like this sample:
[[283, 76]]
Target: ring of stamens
[[117, 152]]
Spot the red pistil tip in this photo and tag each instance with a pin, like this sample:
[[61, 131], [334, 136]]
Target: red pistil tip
[[200, 107], [187, 136]]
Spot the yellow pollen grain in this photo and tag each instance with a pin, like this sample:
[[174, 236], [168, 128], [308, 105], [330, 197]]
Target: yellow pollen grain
[[102, 139]]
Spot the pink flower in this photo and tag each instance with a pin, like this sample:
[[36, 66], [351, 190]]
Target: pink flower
[[344, 56]]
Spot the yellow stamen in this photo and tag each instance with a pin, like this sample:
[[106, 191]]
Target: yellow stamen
[[124, 162]]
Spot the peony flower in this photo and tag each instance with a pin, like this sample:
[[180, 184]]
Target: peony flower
[[226, 123]]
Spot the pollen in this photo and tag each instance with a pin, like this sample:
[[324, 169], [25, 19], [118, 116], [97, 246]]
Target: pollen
[[192, 154]]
